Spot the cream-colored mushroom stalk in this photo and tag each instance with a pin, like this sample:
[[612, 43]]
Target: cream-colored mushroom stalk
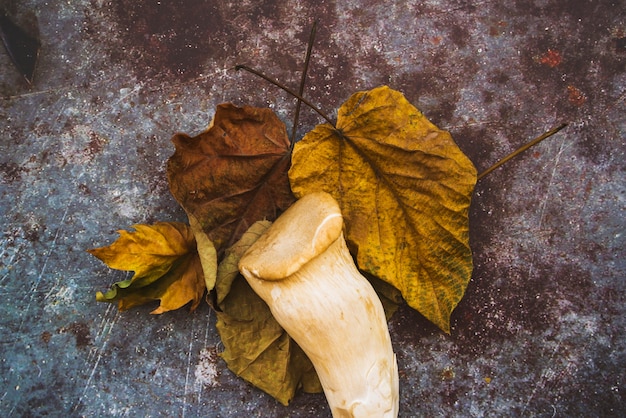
[[302, 269]]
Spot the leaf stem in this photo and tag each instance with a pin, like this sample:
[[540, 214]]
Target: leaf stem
[[285, 89], [307, 61], [522, 149]]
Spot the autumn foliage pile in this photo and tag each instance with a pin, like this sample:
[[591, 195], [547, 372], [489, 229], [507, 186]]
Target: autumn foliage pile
[[404, 189]]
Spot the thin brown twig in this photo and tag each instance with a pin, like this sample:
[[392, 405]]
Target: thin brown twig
[[285, 89], [307, 60], [522, 149]]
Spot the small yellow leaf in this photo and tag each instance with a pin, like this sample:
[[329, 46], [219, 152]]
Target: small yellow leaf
[[404, 188], [150, 251], [181, 285], [206, 251], [166, 264]]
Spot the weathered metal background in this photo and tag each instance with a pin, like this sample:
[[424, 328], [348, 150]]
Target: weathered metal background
[[82, 152]]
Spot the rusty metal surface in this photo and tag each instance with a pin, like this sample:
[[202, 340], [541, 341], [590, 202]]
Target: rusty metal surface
[[540, 331]]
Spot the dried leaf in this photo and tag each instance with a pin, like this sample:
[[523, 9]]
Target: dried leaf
[[389, 296], [207, 252], [228, 269], [166, 265], [233, 174], [256, 346], [404, 188], [181, 285], [22, 47]]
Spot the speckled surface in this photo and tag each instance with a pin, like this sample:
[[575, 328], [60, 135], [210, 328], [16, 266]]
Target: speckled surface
[[540, 331]]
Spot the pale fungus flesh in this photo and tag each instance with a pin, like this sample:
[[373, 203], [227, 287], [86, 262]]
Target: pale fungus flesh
[[302, 268]]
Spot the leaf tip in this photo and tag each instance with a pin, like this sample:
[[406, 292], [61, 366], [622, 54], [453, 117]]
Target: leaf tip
[[159, 311]]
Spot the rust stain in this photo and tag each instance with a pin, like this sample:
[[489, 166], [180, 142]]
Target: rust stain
[[497, 28], [436, 40], [95, 145], [575, 96], [81, 332], [447, 374], [618, 36], [45, 337], [551, 58]]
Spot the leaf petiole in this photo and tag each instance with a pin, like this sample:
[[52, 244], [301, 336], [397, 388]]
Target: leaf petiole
[[522, 149], [285, 89], [307, 61]]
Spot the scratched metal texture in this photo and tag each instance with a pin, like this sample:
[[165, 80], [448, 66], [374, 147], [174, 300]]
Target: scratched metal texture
[[541, 330]]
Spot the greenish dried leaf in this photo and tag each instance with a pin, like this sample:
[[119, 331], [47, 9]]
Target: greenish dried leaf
[[256, 347], [228, 270]]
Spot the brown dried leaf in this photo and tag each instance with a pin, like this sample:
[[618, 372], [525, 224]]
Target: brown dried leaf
[[233, 174]]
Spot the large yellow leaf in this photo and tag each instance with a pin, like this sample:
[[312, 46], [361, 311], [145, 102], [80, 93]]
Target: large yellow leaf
[[404, 188], [166, 264]]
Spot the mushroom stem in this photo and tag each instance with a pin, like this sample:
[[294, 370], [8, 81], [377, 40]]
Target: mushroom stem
[[302, 269]]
